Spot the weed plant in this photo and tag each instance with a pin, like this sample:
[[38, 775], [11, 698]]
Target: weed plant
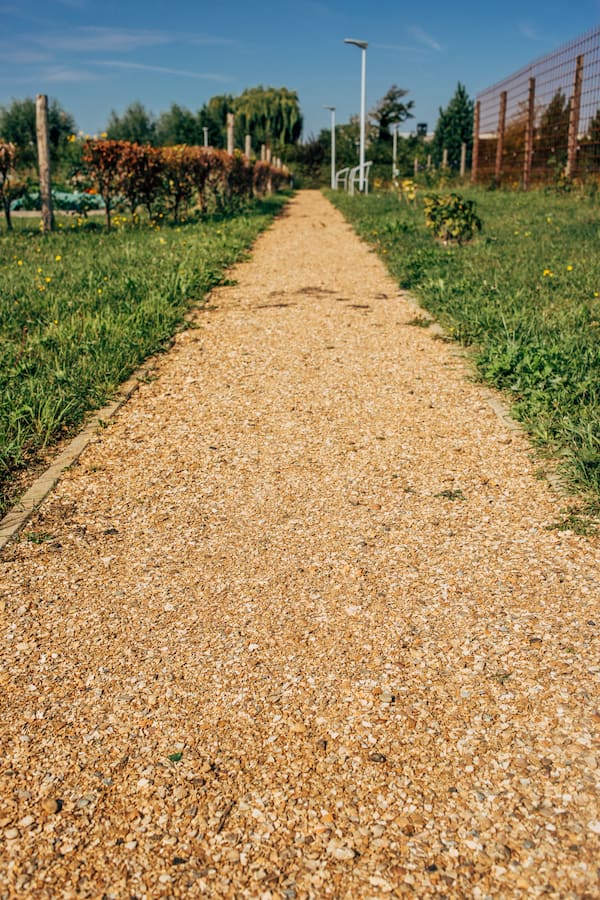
[[524, 296], [80, 309]]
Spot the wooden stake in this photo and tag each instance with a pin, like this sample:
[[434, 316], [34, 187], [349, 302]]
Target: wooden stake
[[463, 159], [501, 130], [529, 133], [574, 119], [248, 146], [43, 147], [475, 160], [230, 124]]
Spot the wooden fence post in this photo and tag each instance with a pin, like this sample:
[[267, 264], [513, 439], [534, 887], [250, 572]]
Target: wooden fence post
[[43, 148], [501, 130], [416, 166], [230, 124], [475, 161], [445, 158], [463, 159], [529, 132], [248, 147], [574, 119]]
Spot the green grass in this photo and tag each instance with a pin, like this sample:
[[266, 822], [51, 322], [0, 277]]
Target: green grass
[[524, 296], [81, 309]]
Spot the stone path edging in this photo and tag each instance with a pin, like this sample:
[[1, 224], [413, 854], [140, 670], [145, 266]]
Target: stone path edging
[[18, 516]]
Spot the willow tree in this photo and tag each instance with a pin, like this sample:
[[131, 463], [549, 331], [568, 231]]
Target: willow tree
[[270, 115]]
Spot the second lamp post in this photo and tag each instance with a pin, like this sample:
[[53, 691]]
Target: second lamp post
[[363, 108]]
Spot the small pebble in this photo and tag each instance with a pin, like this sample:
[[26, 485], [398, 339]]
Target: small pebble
[[50, 805]]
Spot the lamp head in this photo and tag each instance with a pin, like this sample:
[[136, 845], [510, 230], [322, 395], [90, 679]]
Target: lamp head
[[362, 44], [330, 108]]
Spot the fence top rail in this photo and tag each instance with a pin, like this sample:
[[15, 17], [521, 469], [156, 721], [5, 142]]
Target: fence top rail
[[535, 68]]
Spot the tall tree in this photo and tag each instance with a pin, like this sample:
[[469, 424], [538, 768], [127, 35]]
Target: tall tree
[[17, 126], [270, 115], [589, 154], [391, 110], [454, 128], [552, 134], [136, 124], [178, 126], [213, 116]]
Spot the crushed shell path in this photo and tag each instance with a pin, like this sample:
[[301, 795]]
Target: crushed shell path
[[295, 625]]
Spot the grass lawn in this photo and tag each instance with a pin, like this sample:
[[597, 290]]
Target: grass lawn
[[80, 309], [525, 296]]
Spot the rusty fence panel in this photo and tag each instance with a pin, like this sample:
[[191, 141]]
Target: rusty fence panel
[[543, 122]]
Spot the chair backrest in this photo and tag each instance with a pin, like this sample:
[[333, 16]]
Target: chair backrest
[[354, 177], [342, 177]]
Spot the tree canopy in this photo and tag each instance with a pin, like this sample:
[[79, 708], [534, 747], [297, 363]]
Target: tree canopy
[[552, 134], [135, 124], [18, 126], [178, 126], [270, 115], [454, 128], [391, 110]]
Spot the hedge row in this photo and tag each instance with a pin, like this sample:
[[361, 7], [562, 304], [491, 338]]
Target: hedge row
[[175, 178]]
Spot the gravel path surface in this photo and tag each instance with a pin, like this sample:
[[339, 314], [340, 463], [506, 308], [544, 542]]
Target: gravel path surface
[[295, 625]]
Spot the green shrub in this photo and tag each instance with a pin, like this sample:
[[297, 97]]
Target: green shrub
[[451, 218]]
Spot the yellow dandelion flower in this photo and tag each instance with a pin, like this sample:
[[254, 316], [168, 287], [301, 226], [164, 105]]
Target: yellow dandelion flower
[[47, 279], [58, 258], [569, 268], [19, 262]]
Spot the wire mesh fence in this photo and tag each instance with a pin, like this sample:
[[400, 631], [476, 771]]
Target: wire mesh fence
[[542, 123]]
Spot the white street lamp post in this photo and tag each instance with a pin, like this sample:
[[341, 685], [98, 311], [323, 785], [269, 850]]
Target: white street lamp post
[[363, 107], [332, 110], [395, 153]]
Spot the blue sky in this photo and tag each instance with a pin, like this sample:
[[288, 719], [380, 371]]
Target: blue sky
[[97, 56]]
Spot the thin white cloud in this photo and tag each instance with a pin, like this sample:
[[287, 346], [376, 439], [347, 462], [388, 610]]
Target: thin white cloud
[[100, 39], [92, 39], [118, 64], [420, 35], [74, 4], [400, 48], [528, 31], [53, 74], [65, 74], [23, 57]]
